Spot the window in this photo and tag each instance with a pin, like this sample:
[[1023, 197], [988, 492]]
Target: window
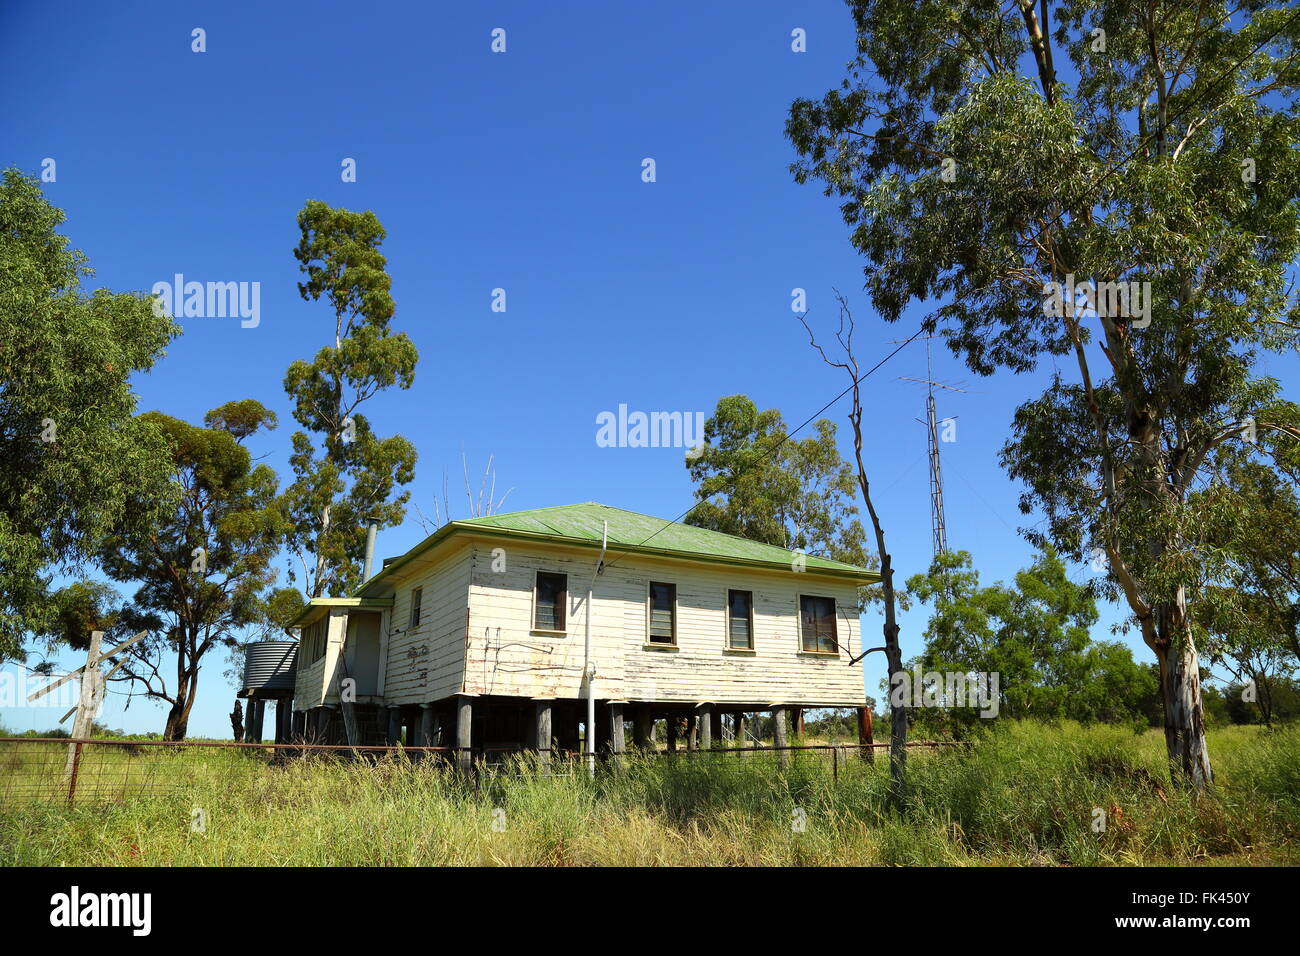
[[663, 613], [740, 620], [313, 642], [817, 625], [549, 600], [416, 597]]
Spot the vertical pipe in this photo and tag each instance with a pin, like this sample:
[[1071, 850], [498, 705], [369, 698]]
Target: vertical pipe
[[372, 525], [589, 665]]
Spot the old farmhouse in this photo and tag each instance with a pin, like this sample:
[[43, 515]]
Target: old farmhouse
[[509, 631]]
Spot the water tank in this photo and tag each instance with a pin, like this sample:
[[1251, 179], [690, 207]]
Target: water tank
[[269, 666]]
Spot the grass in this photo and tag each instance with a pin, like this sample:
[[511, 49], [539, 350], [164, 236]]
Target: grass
[[1026, 795]]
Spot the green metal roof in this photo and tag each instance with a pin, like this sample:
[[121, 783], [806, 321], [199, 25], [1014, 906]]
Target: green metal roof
[[629, 532]]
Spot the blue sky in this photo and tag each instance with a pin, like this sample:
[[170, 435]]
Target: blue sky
[[519, 171]]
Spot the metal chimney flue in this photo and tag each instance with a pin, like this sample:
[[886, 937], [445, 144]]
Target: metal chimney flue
[[372, 526]]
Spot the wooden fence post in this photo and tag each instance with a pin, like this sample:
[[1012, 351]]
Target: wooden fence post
[[867, 752], [87, 706], [779, 736]]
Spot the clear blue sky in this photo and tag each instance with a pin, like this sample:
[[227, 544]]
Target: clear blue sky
[[521, 171]]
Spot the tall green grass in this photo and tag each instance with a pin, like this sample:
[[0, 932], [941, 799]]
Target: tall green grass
[[1027, 794]]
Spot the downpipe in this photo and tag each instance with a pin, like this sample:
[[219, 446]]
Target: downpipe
[[588, 664]]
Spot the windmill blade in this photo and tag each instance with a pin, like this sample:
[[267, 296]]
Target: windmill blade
[[125, 644], [72, 674], [58, 683]]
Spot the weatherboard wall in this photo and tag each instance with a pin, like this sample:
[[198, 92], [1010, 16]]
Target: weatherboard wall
[[426, 662], [506, 656]]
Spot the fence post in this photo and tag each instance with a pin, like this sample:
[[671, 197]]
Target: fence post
[[88, 701], [778, 736], [72, 774], [868, 752]]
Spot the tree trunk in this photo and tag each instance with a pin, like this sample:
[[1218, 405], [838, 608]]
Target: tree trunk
[[893, 653], [237, 722], [178, 718], [318, 580], [1180, 689], [177, 722], [894, 661]]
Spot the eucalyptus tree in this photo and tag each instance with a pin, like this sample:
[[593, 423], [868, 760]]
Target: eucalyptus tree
[[1132, 219], [1035, 634], [203, 572], [74, 457], [348, 474], [1247, 612], [754, 480]]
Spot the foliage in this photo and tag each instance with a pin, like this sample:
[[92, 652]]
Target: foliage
[[755, 481], [1169, 161], [1035, 637], [77, 465], [1247, 612], [353, 474], [204, 570]]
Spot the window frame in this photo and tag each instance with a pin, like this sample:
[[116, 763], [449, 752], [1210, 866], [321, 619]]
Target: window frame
[[416, 610], [562, 603], [835, 625], [650, 642], [726, 637]]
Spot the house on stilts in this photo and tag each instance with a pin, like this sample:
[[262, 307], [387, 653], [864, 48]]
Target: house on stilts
[[522, 630]]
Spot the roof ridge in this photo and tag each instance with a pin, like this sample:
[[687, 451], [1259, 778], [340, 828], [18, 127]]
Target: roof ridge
[[529, 511], [675, 521]]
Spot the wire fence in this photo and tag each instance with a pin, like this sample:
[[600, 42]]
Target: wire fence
[[53, 771]]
